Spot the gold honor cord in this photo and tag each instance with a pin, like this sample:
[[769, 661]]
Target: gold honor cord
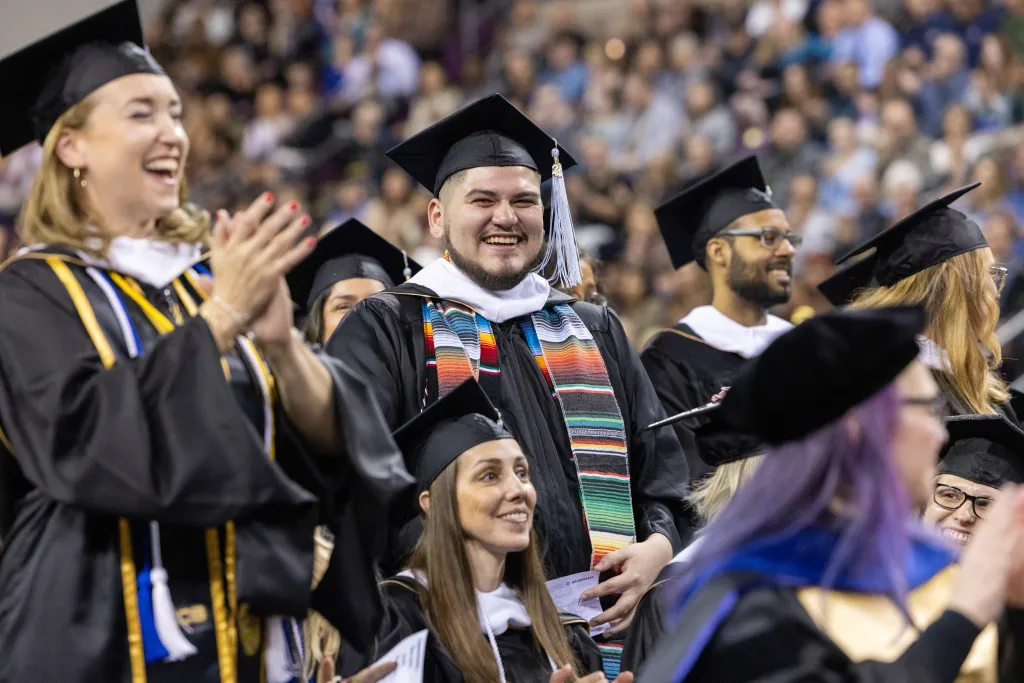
[[129, 587]]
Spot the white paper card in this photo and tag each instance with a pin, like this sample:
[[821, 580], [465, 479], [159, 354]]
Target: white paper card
[[566, 591], [408, 654]]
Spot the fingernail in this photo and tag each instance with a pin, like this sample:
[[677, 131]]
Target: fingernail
[[268, 197], [292, 206], [309, 242], [306, 220]]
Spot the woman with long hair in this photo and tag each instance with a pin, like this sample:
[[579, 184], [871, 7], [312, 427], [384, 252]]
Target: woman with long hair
[[815, 568], [144, 408], [938, 258], [475, 581]]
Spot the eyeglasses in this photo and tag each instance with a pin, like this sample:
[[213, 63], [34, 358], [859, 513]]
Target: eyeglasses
[[936, 405], [771, 238], [998, 274], [952, 498]]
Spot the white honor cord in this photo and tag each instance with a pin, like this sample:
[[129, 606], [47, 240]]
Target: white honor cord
[[497, 654]]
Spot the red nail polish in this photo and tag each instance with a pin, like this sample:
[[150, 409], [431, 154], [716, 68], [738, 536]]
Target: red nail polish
[[310, 242], [268, 197], [306, 220], [292, 206]]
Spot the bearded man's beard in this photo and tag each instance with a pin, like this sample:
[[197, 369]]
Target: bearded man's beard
[[495, 282], [750, 281]]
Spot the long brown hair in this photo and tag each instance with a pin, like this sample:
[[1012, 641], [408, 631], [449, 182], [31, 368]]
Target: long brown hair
[[449, 599], [56, 211], [963, 323]]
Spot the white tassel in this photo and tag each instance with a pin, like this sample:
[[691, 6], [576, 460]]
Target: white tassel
[[278, 660], [165, 617], [562, 251]]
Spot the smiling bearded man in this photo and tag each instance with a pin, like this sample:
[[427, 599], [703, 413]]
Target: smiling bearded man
[[569, 385], [730, 226]]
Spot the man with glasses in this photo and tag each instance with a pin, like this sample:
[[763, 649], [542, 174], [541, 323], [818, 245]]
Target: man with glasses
[[730, 226], [983, 453]]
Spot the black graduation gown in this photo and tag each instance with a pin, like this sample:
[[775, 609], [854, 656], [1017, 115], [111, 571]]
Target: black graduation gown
[[383, 338], [522, 659], [163, 437], [649, 623], [769, 636], [686, 372]]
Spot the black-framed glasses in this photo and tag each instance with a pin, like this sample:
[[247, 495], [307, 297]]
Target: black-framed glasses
[[771, 238], [936, 405], [952, 498], [998, 274]]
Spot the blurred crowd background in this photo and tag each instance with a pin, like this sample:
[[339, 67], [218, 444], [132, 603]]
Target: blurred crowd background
[[860, 111]]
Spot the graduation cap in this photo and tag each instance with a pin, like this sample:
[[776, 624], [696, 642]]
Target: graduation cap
[[931, 235], [844, 284], [492, 132], [811, 375], [348, 251], [718, 443], [985, 449], [692, 218], [449, 427], [65, 60]]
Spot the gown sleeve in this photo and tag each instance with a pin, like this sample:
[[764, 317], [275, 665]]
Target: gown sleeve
[[768, 637], [158, 437], [657, 465], [368, 339]]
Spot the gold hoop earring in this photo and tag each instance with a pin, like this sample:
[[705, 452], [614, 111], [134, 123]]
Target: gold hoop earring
[[78, 176]]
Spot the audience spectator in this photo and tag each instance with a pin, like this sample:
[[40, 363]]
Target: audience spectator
[[789, 154], [945, 82], [867, 40]]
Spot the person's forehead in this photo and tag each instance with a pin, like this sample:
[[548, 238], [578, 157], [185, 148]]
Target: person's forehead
[[966, 485], [501, 179], [505, 450], [136, 86]]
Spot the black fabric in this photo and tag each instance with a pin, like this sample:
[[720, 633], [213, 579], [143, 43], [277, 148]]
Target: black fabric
[[770, 637], [163, 437], [931, 235], [985, 449], [446, 429], [650, 619], [60, 69], [488, 132], [523, 660], [686, 372], [823, 367], [847, 282], [348, 251], [692, 218], [383, 338]]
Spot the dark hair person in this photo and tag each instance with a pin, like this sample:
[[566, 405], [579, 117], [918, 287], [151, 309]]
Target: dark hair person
[[350, 263], [475, 579], [815, 567], [163, 439]]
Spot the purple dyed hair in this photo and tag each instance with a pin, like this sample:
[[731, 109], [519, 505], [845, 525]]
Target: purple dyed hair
[[798, 484]]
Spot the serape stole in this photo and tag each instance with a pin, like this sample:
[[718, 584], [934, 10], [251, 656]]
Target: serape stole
[[460, 344]]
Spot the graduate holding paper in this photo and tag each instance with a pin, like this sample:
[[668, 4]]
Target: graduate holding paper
[[475, 580]]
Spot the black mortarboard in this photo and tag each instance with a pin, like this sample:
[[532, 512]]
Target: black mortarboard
[[844, 284], [718, 443], [692, 218], [449, 427], [68, 60], [348, 251], [932, 234], [489, 132], [985, 449], [811, 375]]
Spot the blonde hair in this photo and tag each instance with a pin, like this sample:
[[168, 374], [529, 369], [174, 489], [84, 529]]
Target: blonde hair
[[711, 495], [963, 324], [322, 639], [56, 211]]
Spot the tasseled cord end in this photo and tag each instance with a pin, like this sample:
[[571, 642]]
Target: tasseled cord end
[[562, 251], [406, 271]]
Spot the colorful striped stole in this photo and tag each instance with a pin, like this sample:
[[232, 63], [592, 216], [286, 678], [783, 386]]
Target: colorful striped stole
[[460, 344]]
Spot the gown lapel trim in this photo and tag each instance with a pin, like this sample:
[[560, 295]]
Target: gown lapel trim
[[129, 586], [681, 334]]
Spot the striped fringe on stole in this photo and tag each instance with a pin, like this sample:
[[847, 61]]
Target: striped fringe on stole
[[568, 355], [459, 344]]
